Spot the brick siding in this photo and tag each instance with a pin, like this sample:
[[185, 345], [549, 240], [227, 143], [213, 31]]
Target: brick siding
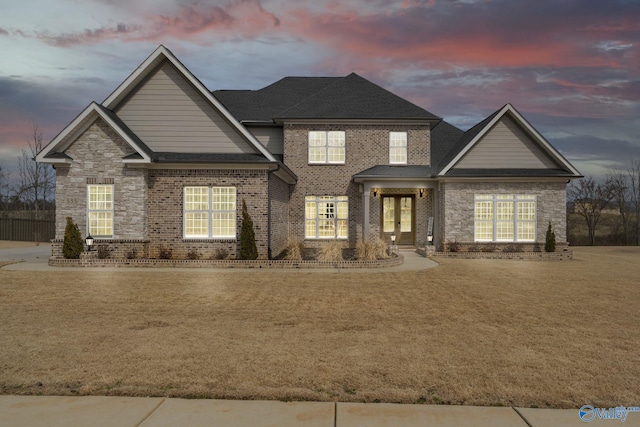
[[165, 204], [365, 146]]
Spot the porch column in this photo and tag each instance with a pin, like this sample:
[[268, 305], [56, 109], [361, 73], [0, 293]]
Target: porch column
[[365, 212]]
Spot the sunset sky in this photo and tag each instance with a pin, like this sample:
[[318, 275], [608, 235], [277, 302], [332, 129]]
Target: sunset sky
[[572, 67]]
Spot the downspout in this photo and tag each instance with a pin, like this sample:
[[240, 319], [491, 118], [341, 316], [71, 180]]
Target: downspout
[[269, 212]]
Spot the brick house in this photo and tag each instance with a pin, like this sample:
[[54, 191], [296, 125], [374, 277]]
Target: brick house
[[164, 161]]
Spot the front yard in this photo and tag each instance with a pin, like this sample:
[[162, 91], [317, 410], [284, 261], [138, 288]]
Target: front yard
[[475, 332]]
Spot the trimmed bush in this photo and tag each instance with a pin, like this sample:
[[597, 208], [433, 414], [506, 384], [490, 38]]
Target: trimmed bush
[[248, 249], [72, 245], [193, 254], [550, 240]]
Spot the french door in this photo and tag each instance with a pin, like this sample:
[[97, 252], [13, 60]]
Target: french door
[[398, 213]]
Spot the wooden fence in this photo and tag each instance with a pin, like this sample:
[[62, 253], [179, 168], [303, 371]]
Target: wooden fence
[[28, 230]]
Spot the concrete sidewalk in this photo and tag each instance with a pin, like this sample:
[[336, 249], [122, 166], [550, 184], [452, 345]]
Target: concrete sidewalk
[[89, 411]]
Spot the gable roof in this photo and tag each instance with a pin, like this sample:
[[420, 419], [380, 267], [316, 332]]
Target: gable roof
[[149, 65], [335, 98], [470, 138], [54, 151]]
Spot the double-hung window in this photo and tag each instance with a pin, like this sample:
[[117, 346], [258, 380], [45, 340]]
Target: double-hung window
[[505, 218], [397, 148], [100, 210], [210, 212], [326, 147], [326, 217]]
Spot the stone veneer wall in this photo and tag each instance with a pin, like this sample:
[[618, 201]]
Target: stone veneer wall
[[97, 158], [279, 211], [457, 207], [365, 146], [165, 204]]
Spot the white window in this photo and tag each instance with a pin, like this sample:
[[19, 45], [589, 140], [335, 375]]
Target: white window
[[326, 147], [210, 212], [326, 217], [505, 218], [398, 148], [100, 210]]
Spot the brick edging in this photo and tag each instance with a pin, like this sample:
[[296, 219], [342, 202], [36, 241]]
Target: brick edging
[[260, 263], [524, 256]]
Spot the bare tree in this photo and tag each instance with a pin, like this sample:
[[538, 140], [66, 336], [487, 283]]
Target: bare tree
[[633, 172], [37, 180], [619, 186], [4, 193], [590, 198]]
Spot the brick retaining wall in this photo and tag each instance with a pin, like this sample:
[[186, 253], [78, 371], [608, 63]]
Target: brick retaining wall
[[92, 261]]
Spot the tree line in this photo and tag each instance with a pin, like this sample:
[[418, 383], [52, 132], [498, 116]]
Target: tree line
[[619, 191], [32, 195]]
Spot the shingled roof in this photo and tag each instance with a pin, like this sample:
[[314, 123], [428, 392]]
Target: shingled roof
[[335, 98]]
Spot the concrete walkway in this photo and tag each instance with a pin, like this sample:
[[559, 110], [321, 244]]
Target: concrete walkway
[[90, 411]]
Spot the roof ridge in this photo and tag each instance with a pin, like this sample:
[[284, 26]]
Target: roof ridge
[[338, 80]]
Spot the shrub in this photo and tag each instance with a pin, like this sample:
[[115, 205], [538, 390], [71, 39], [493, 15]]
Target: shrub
[[371, 250], [474, 248], [294, 250], [164, 252], [248, 249], [131, 254], [364, 251], [103, 251], [331, 252], [193, 254], [72, 245], [550, 240], [221, 253], [513, 248], [453, 246]]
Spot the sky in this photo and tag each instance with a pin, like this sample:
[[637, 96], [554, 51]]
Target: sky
[[571, 67]]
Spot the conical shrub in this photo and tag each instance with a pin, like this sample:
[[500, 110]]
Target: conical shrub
[[248, 249], [72, 245]]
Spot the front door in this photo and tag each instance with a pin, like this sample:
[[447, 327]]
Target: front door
[[398, 217]]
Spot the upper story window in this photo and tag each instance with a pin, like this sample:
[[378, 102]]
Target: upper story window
[[326, 147], [397, 148], [100, 210]]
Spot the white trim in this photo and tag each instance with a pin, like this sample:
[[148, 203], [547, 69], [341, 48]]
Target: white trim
[[493, 199], [80, 124], [112, 210], [149, 65], [521, 121], [209, 211]]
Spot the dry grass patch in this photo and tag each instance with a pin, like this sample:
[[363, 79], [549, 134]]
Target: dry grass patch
[[477, 332]]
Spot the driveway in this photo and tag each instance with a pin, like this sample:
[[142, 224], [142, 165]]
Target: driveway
[[25, 251]]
